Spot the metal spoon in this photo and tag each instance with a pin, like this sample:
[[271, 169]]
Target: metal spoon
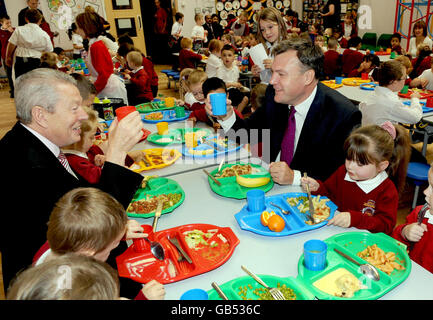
[[366, 268], [281, 209], [156, 249]]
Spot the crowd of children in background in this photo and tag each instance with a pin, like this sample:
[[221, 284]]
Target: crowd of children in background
[[225, 51]]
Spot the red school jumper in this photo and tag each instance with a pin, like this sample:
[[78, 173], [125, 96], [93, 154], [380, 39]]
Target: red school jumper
[[332, 62], [187, 59], [351, 59], [375, 211], [422, 251], [141, 85]]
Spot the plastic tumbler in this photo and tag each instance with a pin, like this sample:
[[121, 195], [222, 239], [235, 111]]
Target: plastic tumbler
[[364, 76], [195, 294], [338, 80], [190, 140], [429, 103], [388, 50], [392, 56], [122, 112], [218, 103], [162, 127], [180, 112], [405, 89], [315, 255], [256, 200], [169, 102]]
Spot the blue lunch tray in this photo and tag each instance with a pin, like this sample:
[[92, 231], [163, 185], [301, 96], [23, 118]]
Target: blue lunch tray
[[167, 115], [422, 103]]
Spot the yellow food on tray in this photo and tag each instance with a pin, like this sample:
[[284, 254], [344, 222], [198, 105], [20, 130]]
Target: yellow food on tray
[[240, 169], [385, 261], [339, 283], [354, 81], [155, 159], [332, 84], [154, 116]]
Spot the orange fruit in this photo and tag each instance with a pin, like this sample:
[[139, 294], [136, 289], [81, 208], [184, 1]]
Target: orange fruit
[[264, 218], [276, 223]]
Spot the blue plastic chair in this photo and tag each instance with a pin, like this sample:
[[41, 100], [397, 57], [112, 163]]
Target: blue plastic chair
[[418, 172]]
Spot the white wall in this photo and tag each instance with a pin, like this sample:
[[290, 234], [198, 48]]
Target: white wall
[[382, 16]]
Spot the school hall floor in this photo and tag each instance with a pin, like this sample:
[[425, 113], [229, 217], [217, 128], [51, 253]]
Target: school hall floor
[[8, 119]]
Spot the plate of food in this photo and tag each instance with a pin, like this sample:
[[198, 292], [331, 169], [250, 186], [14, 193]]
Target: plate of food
[[152, 190], [246, 288], [354, 81], [423, 93], [209, 147], [164, 115], [153, 106], [206, 246], [294, 219], [342, 279], [249, 176], [368, 86], [332, 84], [156, 158]]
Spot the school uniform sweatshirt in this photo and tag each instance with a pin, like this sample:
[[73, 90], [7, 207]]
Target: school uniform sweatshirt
[[372, 204]]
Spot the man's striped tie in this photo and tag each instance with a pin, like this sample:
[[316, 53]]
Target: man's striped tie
[[65, 163]]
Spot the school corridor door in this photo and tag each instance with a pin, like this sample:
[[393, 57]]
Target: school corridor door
[[124, 16]]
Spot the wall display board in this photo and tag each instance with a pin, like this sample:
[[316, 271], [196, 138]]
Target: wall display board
[[226, 7], [311, 9]]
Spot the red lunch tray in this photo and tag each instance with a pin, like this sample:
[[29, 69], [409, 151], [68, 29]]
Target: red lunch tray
[[145, 134], [382, 53], [138, 263], [407, 95]]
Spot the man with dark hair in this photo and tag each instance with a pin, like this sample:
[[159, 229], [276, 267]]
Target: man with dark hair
[[306, 121]]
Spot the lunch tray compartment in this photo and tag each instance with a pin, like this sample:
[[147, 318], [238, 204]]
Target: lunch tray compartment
[[211, 143]]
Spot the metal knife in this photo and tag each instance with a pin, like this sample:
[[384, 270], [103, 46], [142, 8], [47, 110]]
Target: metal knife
[[422, 213], [177, 245], [219, 291], [310, 202], [157, 214]]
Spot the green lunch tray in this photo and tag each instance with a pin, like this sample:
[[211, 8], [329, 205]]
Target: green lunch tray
[[153, 106], [351, 243], [155, 187], [231, 189], [176, 136], [243, 288]]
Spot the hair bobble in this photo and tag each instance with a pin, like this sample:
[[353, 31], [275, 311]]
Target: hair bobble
[[388, 126]]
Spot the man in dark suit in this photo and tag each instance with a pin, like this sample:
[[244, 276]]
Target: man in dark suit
[[34, 173], [323, 118], [208, 26]]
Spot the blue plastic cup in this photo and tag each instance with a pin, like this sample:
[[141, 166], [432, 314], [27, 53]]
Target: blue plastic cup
[[338, 80], [195, 294], [256, 200], [218, 103], [315, 255], [86, 71]]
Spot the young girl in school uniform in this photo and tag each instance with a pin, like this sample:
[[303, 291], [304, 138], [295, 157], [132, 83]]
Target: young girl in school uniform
[[272, 30], [77, 41], [99, 61], [367, 186]]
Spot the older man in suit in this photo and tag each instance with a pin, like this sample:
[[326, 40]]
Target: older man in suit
[[306, 122], [35, 172]]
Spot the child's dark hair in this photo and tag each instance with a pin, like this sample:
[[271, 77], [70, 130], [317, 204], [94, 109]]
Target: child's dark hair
[[4, 16], [212, 84], [228, 47], [125, 38], [354, 42], [372, 144], [178, 16], [58, 50], [71, 30], [33, 16], [375, 61], [396, 35]]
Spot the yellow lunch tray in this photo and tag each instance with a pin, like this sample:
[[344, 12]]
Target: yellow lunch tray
[[354, 81], [156, 158], [332, 84]]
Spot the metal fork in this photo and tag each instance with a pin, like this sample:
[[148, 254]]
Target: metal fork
[[276, 293]]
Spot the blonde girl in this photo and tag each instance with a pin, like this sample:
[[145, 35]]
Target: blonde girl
[[272, 30], [367, 186]]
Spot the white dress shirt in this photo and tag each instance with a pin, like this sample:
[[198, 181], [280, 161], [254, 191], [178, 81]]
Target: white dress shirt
[[369, 185], [300, 115], [30, 41], [176, 29], [228, 75], [385, 105]]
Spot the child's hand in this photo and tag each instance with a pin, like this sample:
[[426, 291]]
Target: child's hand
[[179, 102], [99, 160], [127, 76], [137, 155], [313, 184], [341, 219], [153, 290], [134, 230], [255, 69], [414, 232]]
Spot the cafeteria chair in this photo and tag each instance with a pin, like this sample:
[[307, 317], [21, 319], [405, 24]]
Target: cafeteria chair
[[369, 40], [384, 41], [418, 173]]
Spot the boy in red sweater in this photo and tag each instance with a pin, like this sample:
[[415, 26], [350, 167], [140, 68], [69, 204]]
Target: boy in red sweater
[[6, 31], [364, 189], [395, 43], [187, 57], [139, 90], [332, 63], [352, 58], [419, 236]]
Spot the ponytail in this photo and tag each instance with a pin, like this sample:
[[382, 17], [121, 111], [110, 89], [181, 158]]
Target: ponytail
[[399, 161], [71, 30]]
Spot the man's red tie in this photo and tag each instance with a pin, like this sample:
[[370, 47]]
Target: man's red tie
[[288, 144]]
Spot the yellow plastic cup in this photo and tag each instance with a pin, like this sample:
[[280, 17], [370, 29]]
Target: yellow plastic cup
[[169, 102], [388, 50], [190, 140], [162, 128]]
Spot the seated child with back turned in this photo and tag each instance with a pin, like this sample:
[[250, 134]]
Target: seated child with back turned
[[367, 186], [90, 222], [139, 90]]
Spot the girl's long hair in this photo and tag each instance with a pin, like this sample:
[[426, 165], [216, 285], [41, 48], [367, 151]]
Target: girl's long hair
[[271, 14]]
